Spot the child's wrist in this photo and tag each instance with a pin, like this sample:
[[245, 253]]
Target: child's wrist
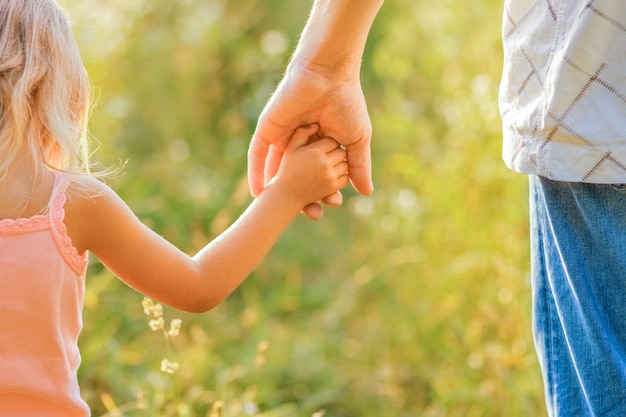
[[283, 196]]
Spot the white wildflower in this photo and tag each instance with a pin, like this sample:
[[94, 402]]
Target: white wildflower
[[157, 323], [175, 327], [148, 305], [169, 367], [152, 308], [157, 311]]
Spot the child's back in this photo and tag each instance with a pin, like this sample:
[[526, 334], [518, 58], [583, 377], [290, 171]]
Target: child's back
[[41, 300], [44, 96]]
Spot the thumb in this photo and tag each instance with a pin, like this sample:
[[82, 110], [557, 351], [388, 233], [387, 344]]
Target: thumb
[[272, 162], [257, 153], [301, 136], [360, 163]]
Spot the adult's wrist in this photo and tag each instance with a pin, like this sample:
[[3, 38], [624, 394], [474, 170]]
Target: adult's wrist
[[322, 70], [333, 39]]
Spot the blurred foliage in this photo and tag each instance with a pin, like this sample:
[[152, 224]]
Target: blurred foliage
[[412, 302]]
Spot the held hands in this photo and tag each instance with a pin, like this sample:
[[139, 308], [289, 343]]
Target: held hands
[[304, 97], [311, 168]]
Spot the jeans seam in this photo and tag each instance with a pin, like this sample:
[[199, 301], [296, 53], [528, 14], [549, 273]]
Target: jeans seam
[[550, 354], [547, 305]]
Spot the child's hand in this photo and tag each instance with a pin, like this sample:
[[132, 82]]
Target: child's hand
[[312, 168]]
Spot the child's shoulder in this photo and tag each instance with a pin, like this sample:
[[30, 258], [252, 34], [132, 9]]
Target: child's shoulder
[[90, 195], [81, 187], [89, 203]]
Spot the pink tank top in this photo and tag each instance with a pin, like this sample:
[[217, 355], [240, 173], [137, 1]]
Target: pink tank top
[[42, 283]]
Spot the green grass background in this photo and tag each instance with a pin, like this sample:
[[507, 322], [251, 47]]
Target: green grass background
[[414, 301]]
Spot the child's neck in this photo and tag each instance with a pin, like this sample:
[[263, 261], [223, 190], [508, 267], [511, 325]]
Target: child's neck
[[23, 192]]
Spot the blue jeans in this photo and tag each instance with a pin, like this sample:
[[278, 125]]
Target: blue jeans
[[578, 257]]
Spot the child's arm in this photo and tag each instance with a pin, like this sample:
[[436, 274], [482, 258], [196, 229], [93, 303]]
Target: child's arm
[[107, 227]]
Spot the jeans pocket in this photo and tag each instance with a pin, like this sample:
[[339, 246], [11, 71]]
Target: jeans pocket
[[618, 187]]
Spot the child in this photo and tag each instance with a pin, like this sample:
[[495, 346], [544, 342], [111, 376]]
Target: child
[[52, 212]]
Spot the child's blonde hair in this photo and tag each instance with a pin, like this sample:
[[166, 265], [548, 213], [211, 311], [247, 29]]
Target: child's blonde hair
[[44, 89]]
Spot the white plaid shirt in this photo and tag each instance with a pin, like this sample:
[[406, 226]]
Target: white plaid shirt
[[563, 92]]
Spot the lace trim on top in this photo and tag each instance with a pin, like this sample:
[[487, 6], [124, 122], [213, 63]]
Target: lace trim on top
[[53, 221], [24, 224], [77, 262]]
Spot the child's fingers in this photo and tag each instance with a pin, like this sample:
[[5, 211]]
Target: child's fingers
[[342, 169], [327, 144], [337, 155], [334, 152], [301, 136]]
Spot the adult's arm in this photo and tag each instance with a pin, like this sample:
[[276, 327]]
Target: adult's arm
[[321, 85]]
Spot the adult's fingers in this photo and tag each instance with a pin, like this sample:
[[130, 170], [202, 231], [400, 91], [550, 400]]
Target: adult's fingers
[[360, 163], [313, 211], [334, 200]]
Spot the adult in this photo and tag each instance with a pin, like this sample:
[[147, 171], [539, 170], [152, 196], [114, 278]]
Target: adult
[[563, 108], [563, 105]]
